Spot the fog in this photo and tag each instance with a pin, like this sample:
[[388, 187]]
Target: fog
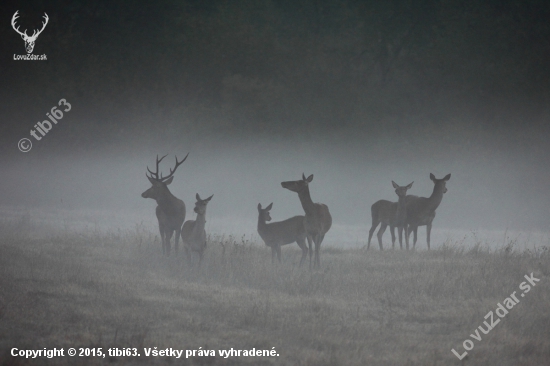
[[500, 194], [261, 94]]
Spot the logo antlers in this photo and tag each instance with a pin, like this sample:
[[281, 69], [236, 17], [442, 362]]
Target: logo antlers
[[29, 41]]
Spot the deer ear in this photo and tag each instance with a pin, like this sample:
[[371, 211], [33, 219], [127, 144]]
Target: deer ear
[[303, 176], [394, 184], [432, 177], [447, 177], [150, 179], [259, 206], [167, 182], [209, 198], [310, 178], [269, 207], [410, 185], [197, 197]]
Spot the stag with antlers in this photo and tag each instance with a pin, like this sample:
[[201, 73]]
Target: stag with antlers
[[170, 209], [29, 40]]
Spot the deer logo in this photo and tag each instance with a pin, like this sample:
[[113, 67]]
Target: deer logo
[[29, 40]]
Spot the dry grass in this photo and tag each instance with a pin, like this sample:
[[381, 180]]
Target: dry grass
[[95, 289]]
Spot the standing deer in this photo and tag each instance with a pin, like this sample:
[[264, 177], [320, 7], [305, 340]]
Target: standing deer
[[390, 213], [421, 210], [281, 233], [317, 220], [170, 209], [193, 234]]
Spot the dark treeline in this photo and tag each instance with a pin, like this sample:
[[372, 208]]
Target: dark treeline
[[357, 92], [382, 68]]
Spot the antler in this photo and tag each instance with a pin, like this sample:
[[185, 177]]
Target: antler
[[162, 179], [35, 34], [155, 175], [15, 16]]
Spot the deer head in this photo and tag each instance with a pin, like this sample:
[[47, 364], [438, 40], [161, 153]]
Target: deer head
[[159, 184], [401, 191], [29, 40], [200, 205], [297, 185], [440, 184], [264, 212]]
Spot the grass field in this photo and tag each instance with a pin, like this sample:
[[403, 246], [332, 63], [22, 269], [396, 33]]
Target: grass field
[[94, 288]]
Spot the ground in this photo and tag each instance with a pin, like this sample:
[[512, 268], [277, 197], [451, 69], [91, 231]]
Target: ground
[[104, 289]]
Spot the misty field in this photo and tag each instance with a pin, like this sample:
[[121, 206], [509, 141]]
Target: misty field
[[113, 288]]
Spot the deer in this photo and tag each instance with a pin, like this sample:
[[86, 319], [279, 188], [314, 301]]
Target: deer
[[317, 221], [390, 213], [277, 234], [29, 40], [421, 210], [170, 210], [193, 234]]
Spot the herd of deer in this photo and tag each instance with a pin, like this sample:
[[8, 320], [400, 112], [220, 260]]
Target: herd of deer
[[408, 213]]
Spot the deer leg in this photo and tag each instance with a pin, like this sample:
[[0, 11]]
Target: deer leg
[[161, 231], [169, 234], [371, 231], [400, 231], [186, 249], [165, 250], [310, 245], [189, 252], [407, 234], [428, 232], [279, 253], [302, 244], [415, 236], [273, 252], [318, 241], [201, 254], [392, 232], [177, 240], [380, 233], [317, 264]]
